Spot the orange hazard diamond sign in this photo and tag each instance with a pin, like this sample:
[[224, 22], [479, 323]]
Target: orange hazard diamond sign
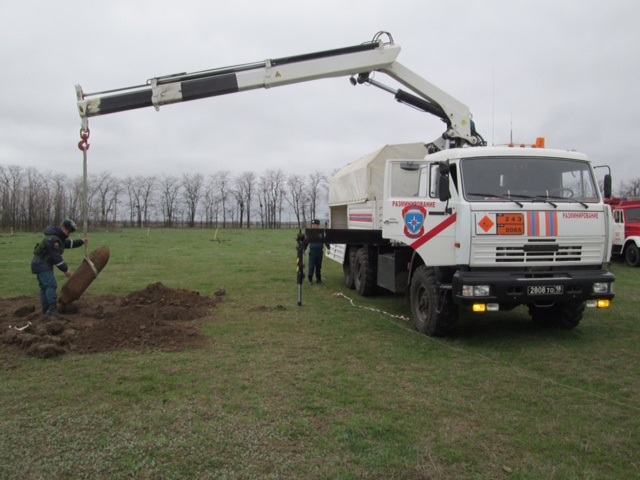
[[486, 223]]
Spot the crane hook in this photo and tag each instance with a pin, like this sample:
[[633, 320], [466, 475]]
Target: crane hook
[[84, 143]]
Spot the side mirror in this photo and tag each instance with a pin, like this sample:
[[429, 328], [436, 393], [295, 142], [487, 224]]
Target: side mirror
[[607, 186], [443, 188], [444, 193]]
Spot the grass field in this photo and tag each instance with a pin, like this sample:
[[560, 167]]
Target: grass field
[[329, 390]]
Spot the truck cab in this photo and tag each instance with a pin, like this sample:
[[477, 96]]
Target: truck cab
[[502, 198], [492, 228]]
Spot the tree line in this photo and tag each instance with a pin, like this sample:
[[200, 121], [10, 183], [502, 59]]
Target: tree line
[[629, 189], [30, 200]]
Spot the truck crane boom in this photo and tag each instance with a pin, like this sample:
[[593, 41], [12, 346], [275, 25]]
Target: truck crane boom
[[359, 62]]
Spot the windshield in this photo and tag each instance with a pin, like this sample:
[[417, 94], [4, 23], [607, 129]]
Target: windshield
[[526, 179], [633, 215]]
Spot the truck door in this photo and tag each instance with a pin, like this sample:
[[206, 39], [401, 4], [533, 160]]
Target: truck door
[[414, 214], [618, 230]]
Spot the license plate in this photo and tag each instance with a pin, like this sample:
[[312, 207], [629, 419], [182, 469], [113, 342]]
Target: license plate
[[545, 290]]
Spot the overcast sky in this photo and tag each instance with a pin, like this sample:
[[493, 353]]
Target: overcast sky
[[565, 70]]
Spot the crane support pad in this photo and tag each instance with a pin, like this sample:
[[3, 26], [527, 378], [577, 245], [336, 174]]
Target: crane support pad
[[83, 276]]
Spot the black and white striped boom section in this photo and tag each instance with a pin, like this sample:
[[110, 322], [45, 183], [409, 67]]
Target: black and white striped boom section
[[210, 83], [358, 61]]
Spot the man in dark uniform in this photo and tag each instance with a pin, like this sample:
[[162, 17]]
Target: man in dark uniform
[[46, 255], [315, 257]]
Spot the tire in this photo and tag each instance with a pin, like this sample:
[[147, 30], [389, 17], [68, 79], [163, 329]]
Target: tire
[[632, 255], [364, 273], [348, 267], [563, 315], [432, 310]]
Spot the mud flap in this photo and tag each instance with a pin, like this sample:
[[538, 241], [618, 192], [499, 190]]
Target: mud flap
[[83, 276]]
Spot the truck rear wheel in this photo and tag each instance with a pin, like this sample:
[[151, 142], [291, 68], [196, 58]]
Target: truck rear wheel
[[632, 255], [432, 310], [364, 273], [348, 267], [564, 315]]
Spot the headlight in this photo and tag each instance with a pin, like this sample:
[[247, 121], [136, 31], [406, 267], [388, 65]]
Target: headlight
[[476, 290], [600, 288]]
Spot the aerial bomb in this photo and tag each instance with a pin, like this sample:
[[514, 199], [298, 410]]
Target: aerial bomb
[[84, 275]]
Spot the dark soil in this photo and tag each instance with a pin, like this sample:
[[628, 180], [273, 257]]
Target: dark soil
[[154, 318]]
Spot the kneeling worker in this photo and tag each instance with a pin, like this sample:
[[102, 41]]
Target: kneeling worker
[[46, 255]]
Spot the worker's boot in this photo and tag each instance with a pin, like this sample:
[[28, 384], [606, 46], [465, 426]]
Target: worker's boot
[[319, 281], [310, 280], [53, 312]]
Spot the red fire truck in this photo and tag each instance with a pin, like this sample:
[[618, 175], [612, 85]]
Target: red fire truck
[[626, 230]]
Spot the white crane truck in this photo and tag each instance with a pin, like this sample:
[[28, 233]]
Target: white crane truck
[[453, 223]]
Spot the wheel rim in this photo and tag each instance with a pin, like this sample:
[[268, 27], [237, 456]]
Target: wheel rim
[[632, 256]]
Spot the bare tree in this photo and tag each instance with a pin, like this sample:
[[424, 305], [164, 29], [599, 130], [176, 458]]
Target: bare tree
[[140, 190], [271, 185], [37, 204], [147, 187], [4, 198], [314, 188], [12, 179], [169, 191], [239, 196], [211, 202], [297, 198], [192, 192], [106, 189], [247, 183], [74, 193], [134, 207], [222, 181], [630, 188], [61, 197]]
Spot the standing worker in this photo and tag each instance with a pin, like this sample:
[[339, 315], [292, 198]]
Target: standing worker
[[315, 257], [46, 255]]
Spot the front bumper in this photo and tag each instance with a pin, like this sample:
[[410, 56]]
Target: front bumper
[[512, 287]]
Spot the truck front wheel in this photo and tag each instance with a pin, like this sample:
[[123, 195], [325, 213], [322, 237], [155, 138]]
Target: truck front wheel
[[632, 255], [432, 310], [364, 273]]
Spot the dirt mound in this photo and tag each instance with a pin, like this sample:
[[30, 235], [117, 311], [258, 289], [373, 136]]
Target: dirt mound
[[156, 317]]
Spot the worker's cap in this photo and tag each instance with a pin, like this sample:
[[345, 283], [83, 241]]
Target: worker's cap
[[315, 221], [70, 225]]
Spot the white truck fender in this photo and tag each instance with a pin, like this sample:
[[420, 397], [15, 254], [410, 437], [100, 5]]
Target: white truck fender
[[634, 239]]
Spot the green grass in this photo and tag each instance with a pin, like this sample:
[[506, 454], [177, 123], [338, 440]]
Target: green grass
[[326, 390]]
